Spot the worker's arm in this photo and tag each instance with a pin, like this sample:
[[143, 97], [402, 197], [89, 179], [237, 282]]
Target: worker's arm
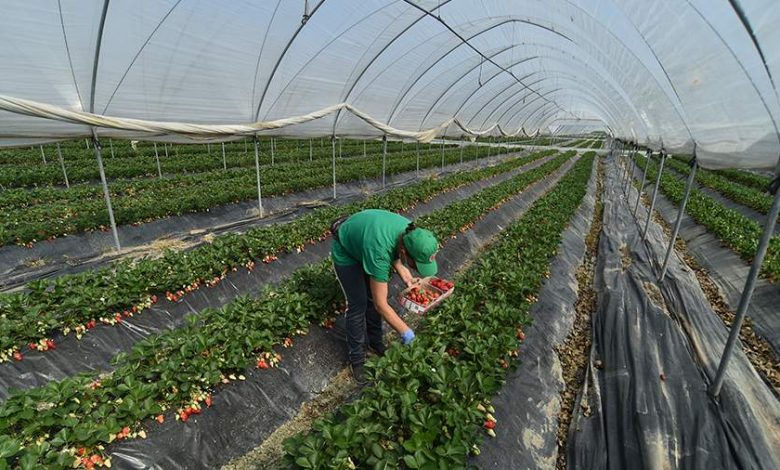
[[404, 272], [379, 293]]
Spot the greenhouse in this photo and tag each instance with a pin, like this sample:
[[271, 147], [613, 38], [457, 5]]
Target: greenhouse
[[413, 234]]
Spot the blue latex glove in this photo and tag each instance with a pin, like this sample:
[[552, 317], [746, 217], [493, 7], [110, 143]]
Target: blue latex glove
[[407, 336]]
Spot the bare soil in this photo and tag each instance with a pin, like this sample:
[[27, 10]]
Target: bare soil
[[575, 351]]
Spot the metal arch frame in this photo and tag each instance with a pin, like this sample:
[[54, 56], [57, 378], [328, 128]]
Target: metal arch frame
[[538, 121], [607, 113], [282, 56], [614, 112], [262, 49], [463, 40], [419, 77], [616, 87], [604, 115], [562, 75], [594, 101]]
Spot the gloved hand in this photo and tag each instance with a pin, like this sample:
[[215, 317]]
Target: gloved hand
[[407, 336]]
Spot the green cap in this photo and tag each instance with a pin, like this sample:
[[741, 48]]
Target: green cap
[[421, 245]]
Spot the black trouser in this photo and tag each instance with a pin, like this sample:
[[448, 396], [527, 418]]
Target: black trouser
[[363, 322]]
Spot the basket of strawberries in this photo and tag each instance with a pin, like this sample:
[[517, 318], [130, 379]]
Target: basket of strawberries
[[426, 294]]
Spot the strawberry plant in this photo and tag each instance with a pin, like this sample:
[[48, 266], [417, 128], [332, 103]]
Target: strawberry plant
[[427, 406], [175, 371], [76, 302]]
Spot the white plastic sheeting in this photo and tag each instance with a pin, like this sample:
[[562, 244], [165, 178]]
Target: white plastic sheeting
[[663, 72]]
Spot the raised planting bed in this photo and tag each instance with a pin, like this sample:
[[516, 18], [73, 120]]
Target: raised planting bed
[[176, 370]]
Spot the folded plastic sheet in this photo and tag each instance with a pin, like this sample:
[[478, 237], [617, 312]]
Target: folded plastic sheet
[[658, 345], [727, 269], [527, 406], [95, 350], [84, 251], [246, 412]]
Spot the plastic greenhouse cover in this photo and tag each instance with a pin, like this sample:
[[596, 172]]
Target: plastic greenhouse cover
[[660, 73]]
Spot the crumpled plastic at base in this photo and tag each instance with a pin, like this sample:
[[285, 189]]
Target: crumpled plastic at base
[[659, 345], [95, 350], [246, 412]]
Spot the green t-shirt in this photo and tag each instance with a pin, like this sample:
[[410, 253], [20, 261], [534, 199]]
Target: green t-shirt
[[370, 238]]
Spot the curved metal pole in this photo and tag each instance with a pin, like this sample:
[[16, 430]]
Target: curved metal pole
[[680, 212], [642, 184], [655, 194], [384, 159], [106, 195], [157, 157], [62, 165], [257, 174]]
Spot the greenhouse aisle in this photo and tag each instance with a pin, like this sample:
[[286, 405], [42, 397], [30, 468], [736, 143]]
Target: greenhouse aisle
[[655, 350], [267, 399]]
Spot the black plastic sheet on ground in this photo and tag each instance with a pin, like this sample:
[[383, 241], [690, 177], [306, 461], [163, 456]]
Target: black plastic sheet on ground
[[658, 346], [246, 412], [728, 270], [95, 350]]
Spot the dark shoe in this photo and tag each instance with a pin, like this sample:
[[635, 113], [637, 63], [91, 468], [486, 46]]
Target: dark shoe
[[359, 374], [377, 349]]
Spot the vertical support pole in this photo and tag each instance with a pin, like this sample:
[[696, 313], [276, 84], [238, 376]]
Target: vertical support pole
[[273, 148], [630, 176], [655, 194], [461, 150], [384, 159], [402, 146], [165, 146], [750, 285], [333, 162], [442, 154], [476, 149], [43, 154], [311, 152], [106, 194], [245, 149], [257, 174], [224, 160], [642, 184], [62, 165], [340, 143], [86, 141], [157, 157], [417, 151], [111, 146], [364, 149], [208, 146], [680, 212]]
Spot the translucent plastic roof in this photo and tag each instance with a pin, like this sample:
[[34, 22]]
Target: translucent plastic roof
[[658, 72]]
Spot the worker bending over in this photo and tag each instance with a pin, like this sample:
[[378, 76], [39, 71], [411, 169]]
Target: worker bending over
[[366, 246]]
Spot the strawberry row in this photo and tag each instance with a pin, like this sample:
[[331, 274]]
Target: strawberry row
[[747, 196], [429, 403], [26, 218], [75, 302], [746, 178], [67, 421], [732, 228]]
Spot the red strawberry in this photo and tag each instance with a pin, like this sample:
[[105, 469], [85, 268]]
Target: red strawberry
[[91, 324], [184, 416], [520, 334], [194, 411], [50, 344], [118, 318], [32, 346], [207, 401], [262, 364], [81, 451], [160, 419], [489, 424], [18, 356]]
